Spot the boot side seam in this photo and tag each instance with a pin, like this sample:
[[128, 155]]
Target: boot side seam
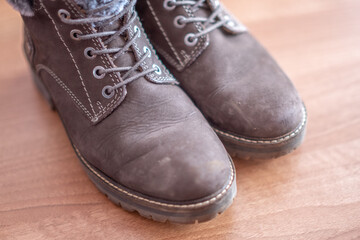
[[164, 33], [104, 60], [71, 56], [40, 67]]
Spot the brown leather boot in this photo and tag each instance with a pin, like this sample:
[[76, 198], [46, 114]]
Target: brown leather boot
[[249, 101], [138, 136]]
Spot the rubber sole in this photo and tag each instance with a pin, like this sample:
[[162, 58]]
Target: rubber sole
[[201, 210], [246, 148], [158, 210]]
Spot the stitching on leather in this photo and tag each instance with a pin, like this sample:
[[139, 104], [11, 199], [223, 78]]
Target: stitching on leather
[[195, 53], [164, 33], [77, 69], [40, 67], [169, 76], [104, 60], [118, 92], [36, 7], [184, 206], [100, 106], [167, 57], [272, 141], [144, 64]]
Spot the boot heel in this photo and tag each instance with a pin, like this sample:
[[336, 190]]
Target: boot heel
[[43, 90]]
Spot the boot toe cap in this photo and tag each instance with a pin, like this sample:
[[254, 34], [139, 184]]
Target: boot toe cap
[[195, 168], [256, 99]]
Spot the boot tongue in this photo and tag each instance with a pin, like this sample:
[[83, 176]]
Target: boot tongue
[[93, 4], [204, 10], [213, 4], [128, 58], [209, 6]]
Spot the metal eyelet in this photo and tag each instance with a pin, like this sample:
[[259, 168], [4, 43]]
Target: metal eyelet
[[179, 21], [229, 22], [190, 39], [88, 52], [108, 92], [169, 5], [137, 30], [75, 33], [147, 51], [158, 70], [99, 72], [216, 3], [63, 14]]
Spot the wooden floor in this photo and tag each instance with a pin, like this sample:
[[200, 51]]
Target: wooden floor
[[313, 193]]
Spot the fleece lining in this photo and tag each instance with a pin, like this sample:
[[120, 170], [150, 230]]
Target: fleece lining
[[92, 4], [24, 7]]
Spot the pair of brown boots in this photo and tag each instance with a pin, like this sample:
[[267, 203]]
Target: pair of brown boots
[[138, 132]]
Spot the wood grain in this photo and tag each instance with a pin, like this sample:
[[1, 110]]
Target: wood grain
[[313, 193]]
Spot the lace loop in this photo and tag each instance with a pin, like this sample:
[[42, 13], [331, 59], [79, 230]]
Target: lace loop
[[214, 21], [99, 72]]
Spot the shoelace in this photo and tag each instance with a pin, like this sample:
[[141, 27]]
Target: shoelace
[[214, 21], [99, 72]]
